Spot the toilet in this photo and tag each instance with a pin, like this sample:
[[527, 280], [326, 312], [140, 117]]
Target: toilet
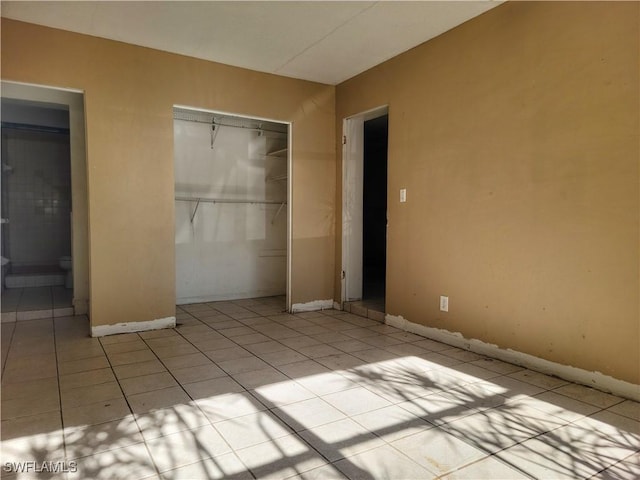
[[66, 264]]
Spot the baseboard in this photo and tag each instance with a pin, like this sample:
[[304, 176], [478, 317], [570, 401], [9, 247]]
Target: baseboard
[[312, 306], [573, 374], [131, 327], [337, 306]]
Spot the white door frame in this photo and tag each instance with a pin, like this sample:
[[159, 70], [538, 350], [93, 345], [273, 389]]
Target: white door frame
[[352, 200]]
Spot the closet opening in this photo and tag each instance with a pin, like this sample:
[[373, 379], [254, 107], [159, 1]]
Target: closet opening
[[231, 206]]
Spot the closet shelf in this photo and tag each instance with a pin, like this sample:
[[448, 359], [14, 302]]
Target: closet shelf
[[198, 200], [228, 200], [277, 178], [282, 153]]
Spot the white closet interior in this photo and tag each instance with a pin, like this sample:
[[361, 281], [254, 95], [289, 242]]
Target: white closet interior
[[230, 206]]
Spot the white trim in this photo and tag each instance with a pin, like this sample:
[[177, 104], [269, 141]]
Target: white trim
[[312, 306], [38, 85], [573, 374], [130, 327], [288, 297], [337, 306]]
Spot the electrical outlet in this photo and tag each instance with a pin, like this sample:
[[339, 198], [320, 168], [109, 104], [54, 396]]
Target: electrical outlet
[[444, 303], [403, 195]]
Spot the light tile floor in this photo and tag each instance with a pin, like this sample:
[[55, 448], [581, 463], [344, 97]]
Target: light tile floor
[[241, 390], [36, 302]]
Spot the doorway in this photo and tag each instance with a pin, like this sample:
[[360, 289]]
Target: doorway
[[44, 203], [364, 209]]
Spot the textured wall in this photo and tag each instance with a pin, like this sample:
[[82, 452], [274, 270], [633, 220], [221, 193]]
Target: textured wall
[[516, 136], [129, 96]]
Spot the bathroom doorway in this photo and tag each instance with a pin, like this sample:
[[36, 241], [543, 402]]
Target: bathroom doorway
[[44, 244]]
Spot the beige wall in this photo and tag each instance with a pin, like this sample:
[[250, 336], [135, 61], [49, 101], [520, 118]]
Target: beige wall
[[129, 95], [516, 136]]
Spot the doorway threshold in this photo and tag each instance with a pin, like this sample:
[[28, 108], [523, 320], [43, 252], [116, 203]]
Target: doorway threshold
[[371, 308]]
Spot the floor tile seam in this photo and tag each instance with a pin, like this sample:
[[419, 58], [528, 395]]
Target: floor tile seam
[[567, 450], [64, 439], [79, 458], [193, 403], [574, 422], [636, 418], [494, 457], [437, 474], [348, 456], [583, 415], [203, 460], [559, 419], [297, 433], [67, 389], [382, 431], [4, 363], [312, 452], [167, 370], [126, 399], [31, 413], [160, 471], [146, 347], [554, 390], [446, 427], [512, 375]]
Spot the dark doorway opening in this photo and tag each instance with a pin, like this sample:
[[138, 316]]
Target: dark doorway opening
[[374, 228]]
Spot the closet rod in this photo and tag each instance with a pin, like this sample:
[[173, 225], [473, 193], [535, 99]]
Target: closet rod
[[227, 200], [256, 129], [219, 124]]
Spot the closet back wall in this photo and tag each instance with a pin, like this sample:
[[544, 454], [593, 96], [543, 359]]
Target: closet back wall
[[228, 250]]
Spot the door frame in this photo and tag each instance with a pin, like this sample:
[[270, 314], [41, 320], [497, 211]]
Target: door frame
[[352, 201]]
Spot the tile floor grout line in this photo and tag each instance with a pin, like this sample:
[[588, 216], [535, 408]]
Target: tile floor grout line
[[284, 423], [144, 441], [539, 429], [6, 361], [269, 409], [62, 423], [193, 402]]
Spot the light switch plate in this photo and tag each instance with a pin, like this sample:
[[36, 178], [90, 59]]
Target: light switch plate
[[403, 195], [444, 303]]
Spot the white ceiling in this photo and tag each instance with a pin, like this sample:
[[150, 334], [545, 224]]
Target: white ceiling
[[323, 41]]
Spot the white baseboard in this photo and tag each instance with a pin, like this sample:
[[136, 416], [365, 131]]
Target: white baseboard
[[573, 374], [337, 306], [130, 327], [312, 306]]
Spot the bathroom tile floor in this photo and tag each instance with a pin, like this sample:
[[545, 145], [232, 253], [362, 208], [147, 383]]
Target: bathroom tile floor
[[242, 390], [36, 302]]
